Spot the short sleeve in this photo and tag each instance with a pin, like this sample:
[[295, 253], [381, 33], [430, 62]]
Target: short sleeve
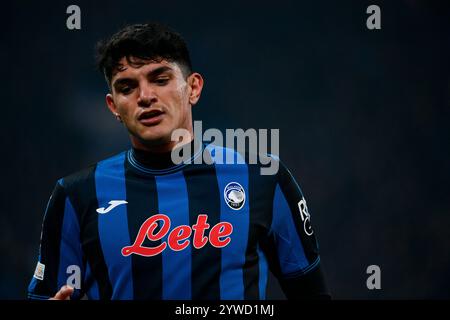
[[291, 230], [60, 259], [293, 250]]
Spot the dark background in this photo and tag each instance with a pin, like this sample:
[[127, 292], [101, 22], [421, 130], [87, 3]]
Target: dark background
[[363, 118]]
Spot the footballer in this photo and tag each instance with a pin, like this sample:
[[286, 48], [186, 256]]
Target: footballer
[[138, 226]]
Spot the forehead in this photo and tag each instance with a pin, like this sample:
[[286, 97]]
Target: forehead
[[135, 66]]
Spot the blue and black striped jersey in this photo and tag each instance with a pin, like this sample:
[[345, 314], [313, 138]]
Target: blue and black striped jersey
[[133, 227]]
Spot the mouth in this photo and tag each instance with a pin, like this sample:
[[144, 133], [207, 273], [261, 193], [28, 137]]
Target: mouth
[[151, 117]]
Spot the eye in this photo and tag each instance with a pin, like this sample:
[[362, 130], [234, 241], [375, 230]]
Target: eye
[[162, 81], [125, 90]]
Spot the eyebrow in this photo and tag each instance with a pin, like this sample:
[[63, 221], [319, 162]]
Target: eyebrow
[[154, 73]]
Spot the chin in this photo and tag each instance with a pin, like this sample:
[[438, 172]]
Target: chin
[[155, 138]]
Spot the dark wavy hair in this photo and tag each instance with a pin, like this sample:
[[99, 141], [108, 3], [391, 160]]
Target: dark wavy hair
[[151, 41]]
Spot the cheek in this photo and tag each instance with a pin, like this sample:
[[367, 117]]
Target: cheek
[[125, 106], [181, 94], [181, 108], [183, 101], [176, 102]]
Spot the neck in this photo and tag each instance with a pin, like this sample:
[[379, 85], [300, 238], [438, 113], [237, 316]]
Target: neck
[[160, 159], [164, 147], [155, 148]]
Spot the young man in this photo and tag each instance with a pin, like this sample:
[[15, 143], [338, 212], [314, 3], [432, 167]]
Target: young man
[[139, 226]]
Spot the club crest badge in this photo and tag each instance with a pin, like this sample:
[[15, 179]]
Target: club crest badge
[[234, 195]]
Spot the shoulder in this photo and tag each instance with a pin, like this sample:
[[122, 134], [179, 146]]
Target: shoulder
[[85, 176], [266, 168]]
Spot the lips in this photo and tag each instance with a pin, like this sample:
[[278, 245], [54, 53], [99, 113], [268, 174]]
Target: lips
[[151, 117]]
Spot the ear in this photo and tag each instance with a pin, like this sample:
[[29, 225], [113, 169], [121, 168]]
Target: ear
[[195, 82], [110, 103]]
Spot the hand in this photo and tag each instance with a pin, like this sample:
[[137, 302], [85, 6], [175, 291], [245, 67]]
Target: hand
[[63, 293]]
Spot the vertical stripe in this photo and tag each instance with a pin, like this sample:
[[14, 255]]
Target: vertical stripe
[[290, 250], [81, 192], [263, 274], [204, 198], [92, 285], [113, 226], [233, 255], [142, 204], [173, 202], [260, 201], [70, 249]]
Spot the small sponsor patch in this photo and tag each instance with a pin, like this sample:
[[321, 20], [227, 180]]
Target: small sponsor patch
[[39, 272], [305, 216]]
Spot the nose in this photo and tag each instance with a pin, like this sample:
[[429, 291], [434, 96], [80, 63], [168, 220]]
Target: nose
[[147, 95]]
